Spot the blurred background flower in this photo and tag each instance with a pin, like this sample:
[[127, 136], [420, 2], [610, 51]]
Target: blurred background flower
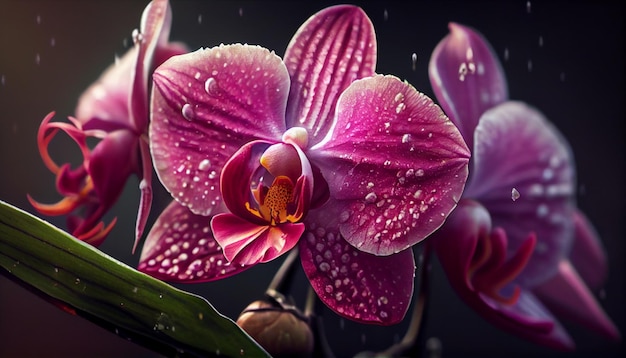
[[566, 59]]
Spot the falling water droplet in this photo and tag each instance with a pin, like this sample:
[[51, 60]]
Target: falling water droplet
[[240, 12], [385, 15], [540, 41], [562, 76], [199, 19], [187, 111], [528, 7], [530, 65], [414, 61], [506, 54], [37, 59], [53, 42], [3, 80], [38, 19], [514, 194]]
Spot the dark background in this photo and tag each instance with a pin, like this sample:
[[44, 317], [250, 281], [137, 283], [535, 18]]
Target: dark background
[[50, 51]]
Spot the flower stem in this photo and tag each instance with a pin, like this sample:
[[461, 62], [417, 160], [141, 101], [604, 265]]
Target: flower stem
[[284, 277]]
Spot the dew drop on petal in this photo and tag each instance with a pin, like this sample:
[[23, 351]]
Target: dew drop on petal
[[204, 165], [210, 86], [514, 194], [370, 198], [187, 111], [406, 138]]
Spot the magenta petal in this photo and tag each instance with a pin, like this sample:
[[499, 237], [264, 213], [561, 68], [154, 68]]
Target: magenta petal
[[205, 105], [111, 163], [330, 50], [588, 255], [356, 285], [180, 248], [245, 243], [456, 245], [516, 147], [155, 28], [566, 294], [394, 163], [467, 78], [106, 100]]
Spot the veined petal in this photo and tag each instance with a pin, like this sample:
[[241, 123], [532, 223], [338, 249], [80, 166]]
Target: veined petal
[[459, 248], [588, 256], [354, 284], [181, 248], [467, 78], [516, 147], [567, 295], [395, 165], [330, 50], [205, 105], [246, 243]]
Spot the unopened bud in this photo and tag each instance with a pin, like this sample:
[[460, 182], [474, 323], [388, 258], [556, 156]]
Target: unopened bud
[[282, 332]]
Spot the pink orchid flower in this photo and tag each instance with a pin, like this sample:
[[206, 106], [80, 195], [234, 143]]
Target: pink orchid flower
[[516, 248], [262, 154], [115, 110]]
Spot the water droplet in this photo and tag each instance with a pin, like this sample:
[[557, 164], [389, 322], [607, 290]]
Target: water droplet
[[187, 111], [53, 42], [210, 86], [462, 71], [204, 165], [514, 194], [562, 76], [506, 54], [542, 210], [414, 61], [3, 80], [401, 106], [370, 198], [199, 19], [406, 138], [530, 65], [240, 12], [137, 36], [160, 295], [197, 75], [37, 59], [38, 19], [77, 281], [540, 41], [241, 351]]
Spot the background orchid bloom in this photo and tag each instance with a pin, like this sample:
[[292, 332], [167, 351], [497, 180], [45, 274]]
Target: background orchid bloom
[[115, 110], [260, 152], [516, 244]]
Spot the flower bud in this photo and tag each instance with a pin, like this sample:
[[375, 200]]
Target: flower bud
[[283, 332]]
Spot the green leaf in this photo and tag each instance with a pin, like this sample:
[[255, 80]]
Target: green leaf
[[85, 281]]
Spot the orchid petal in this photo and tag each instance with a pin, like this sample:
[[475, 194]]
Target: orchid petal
[[145, 188], [394, 163], [457, 245], [516, 147], [467, 78], [112, 161], [245, 243], [330, 50], [205, 105], [180, 248], [155, 28], [566, 294], [354, 284], [588, 256]]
